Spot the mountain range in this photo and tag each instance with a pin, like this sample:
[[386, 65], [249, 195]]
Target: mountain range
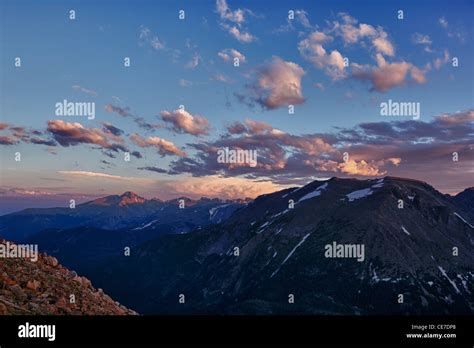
[[127, 211], [270, 255]]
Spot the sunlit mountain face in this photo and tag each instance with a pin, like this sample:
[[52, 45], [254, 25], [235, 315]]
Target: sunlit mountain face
[[238, 153]]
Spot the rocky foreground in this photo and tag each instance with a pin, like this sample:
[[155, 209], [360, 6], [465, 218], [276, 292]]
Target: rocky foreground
[[45, 287]]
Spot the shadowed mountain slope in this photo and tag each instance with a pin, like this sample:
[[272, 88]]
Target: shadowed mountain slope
[[423, 251]]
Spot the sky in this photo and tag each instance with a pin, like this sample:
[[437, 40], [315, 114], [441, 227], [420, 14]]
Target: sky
[[182, 98]]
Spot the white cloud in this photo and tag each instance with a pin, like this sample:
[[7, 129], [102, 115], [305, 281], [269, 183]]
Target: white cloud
[[421, 39], [230, 53], [184, 122], [232, 21], [312, 50], [156, 43], [185, 83], [193, 62], [147, 37], [443, 22], [94, 175], [382, 44], [352, 33], [84, 90], [241, 36], [220, 78], [237, 16], [439, 62], [163, 146], [302, 16], [319, 85]]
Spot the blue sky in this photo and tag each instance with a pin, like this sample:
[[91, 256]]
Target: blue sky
[[176, 62]]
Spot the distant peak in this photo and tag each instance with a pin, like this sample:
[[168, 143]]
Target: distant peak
[[129, 194], [130, 197], [466, 192], [126, 198]]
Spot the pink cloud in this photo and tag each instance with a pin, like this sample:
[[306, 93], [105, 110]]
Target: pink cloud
[[363, 168], [279, 84], [215, 186], [163, 146], [386, 76], [184, 122], [456, 119], [125, 112], [8, 140], [68, 133], [73, 133], [439, 62], [352, 33]]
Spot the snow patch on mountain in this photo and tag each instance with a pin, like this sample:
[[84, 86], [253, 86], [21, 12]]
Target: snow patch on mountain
[[463, 282], [467, 223], [405, 230], [378, 183], [314, 193], [280, 213], [264, 226], [213, 212], [359, 194], [292, 191], [291, 253], [145, 226], [443, 272], [375, 276], [377, 279], [279, 230]]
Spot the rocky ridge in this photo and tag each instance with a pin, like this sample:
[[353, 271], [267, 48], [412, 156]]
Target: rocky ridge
[[45, 287]]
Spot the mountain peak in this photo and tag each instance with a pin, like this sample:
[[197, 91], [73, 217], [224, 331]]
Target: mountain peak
[[466, 200], [124, 199], [129, 194], [469, 190], [130, 197]]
